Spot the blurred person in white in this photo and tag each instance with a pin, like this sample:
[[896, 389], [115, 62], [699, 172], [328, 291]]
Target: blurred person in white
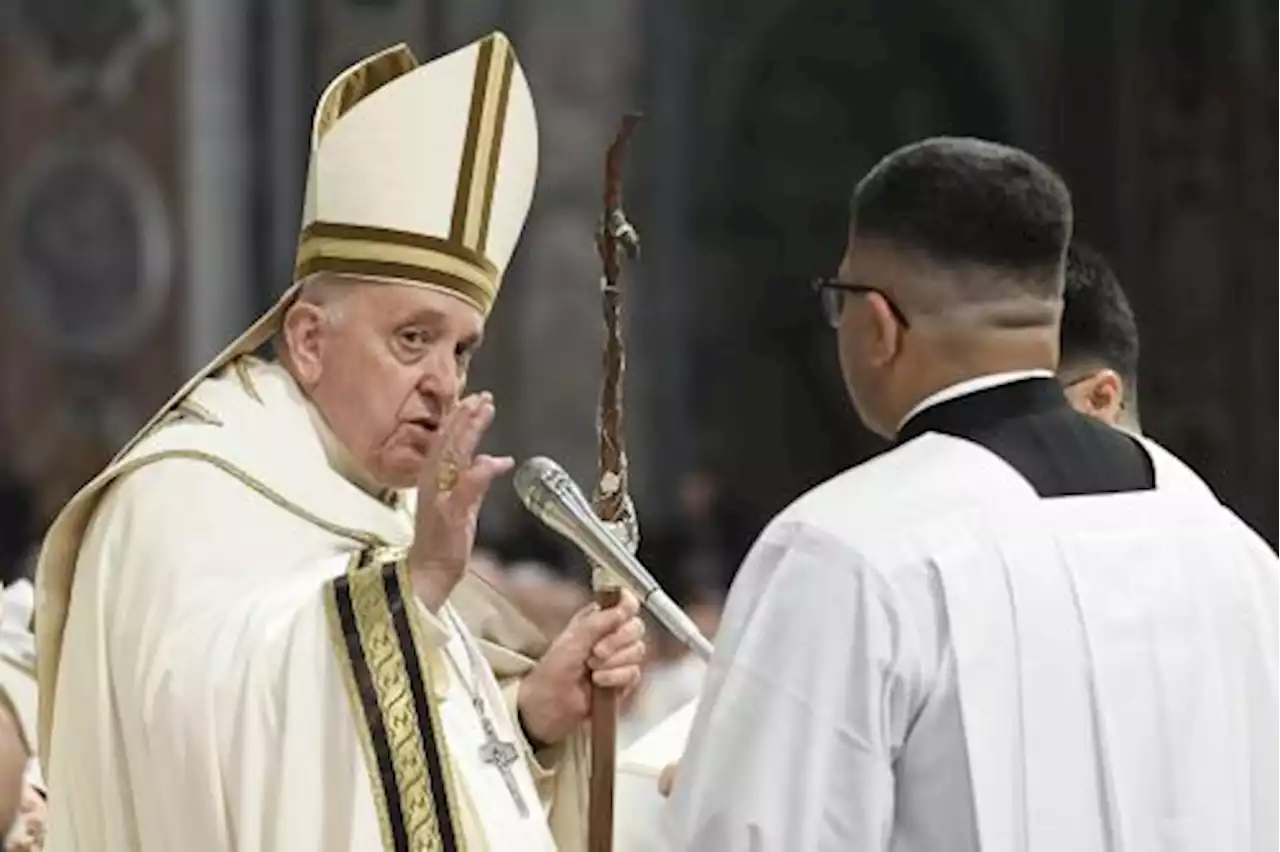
[[22, 802], [256, 628], [673, 677], [672, 673], [1098, 365], [548, 599], [1019, 630]]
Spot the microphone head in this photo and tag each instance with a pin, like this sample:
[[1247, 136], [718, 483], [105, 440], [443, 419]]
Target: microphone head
[[548, 491], [552, 497], [531, 475]]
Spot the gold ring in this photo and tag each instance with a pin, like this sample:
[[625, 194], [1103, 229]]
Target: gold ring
[[447, 476]]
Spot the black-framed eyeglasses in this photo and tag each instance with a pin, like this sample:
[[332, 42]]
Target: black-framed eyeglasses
[[832, 291]]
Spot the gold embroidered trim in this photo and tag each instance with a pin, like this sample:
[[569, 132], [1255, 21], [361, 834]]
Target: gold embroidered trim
[[363, 734], [451, 782], [374, 631]]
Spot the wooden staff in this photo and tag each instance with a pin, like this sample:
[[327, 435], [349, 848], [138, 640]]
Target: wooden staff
[[615, 240]]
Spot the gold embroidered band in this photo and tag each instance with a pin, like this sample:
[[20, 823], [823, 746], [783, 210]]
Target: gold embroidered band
[[371, 624]]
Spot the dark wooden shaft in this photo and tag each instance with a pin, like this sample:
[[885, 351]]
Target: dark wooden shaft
[[604, 752]]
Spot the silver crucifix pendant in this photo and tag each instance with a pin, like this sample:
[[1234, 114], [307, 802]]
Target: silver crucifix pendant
[[502, 756]]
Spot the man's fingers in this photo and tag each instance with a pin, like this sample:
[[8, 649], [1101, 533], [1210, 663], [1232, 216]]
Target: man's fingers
[[623, 678], [628, 633], [445, 448], [598, 624], [629, 655], [629, 604], [474, 482], [473, 420]]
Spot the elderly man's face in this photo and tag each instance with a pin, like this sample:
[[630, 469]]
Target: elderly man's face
[[384, 364]]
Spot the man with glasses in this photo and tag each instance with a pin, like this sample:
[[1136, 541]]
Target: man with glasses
[[1020, 629], [1098, 366]]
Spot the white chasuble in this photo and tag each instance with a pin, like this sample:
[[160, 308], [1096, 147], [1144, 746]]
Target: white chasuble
[[232, 658]]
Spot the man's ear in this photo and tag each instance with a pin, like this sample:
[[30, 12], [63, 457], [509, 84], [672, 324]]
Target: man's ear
[[303, 332], [1106, 395], [883, 331]]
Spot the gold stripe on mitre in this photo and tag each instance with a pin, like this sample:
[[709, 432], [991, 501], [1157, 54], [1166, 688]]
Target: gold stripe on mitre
[[358, 82], [388, 253], [477, 175]]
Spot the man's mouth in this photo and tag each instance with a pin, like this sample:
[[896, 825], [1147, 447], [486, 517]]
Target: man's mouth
[[428, 424]]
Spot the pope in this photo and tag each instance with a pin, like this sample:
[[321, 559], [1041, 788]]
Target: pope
[[256, 628]]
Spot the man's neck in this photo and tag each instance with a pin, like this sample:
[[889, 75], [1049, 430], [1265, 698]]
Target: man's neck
[[948, 359], [955, 388], [337, 454]]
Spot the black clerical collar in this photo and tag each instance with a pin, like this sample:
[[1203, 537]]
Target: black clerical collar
[[979, 410]]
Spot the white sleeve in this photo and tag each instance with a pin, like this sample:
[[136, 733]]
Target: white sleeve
[[805, 704]]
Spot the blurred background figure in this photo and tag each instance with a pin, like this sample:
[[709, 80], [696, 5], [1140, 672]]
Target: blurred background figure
[[22, 805], [1098, 365], [546, 596], [673, 677], [673, 674]]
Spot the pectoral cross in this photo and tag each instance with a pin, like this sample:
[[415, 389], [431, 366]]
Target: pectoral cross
[[501, 755]]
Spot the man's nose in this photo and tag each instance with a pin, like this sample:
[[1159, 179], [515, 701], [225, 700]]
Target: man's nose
[[441, 378]]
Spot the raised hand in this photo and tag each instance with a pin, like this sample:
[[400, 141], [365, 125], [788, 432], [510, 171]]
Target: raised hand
[[451, 488]]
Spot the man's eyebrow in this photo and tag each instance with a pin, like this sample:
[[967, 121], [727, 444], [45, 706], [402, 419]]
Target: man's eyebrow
[[437, 321], [425, 316]]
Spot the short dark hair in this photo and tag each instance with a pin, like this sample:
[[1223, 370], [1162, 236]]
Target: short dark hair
[[968, 201], [1097, 321]]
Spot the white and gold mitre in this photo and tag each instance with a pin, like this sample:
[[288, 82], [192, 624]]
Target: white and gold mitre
[[420, 175]]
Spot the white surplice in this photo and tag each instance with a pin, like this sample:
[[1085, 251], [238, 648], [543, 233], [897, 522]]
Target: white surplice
[[921, 654], [199, 686]]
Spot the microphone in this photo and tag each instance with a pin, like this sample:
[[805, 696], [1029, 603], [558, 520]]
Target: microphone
[[556, 500]]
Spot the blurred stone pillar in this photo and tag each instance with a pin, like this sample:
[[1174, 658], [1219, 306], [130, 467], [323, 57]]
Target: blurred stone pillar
[[219, 302], [281, 93]]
